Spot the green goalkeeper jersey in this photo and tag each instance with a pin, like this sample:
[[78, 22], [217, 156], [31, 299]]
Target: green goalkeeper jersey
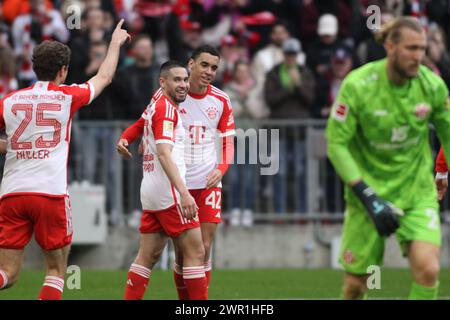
[[379, 132]]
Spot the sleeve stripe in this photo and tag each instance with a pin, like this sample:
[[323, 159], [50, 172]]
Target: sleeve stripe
[[92, 90], [167, 110], [170, 111], [220, 93], [165, 140], [227, 133]]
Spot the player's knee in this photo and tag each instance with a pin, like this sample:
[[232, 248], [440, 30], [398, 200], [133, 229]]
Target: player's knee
[[148, 258], [429, 273], [195, 255]]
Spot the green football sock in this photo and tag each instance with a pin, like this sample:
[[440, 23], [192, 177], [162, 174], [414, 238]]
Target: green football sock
[[420, 292]]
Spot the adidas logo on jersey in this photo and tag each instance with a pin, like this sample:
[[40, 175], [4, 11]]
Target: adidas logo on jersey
[[183, 111]]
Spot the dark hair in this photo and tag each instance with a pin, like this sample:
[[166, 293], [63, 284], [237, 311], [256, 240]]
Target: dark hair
[[392, 29], [140, 37], [168, 65], [205, 49], [48, 58]]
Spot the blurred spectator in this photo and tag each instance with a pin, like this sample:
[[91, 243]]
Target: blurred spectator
[[96, 140], [8, 81], [437, 52], [346, 17], [32, 28], [240, 17], [318, 57], [134, 85], [242, 176], [191, 32], [238, 89], [439, 12], [14, 8], [230, 53], [369, 50], [289, 92], [93, 30], [289, 87], [326, 91], [328, 85], [264, 60]]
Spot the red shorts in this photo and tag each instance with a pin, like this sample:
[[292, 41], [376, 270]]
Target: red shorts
[[209, 202], [171, 221], [49, 218]]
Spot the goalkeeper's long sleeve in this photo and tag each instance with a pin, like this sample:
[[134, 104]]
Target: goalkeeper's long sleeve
[[343, 162]]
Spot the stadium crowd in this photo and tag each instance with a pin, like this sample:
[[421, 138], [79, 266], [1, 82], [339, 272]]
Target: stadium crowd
[[280, 59]]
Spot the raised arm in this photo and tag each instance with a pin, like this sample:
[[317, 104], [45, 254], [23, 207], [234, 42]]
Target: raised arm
[[108, 67]]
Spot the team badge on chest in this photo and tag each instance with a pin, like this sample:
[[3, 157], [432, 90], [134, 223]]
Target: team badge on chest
[[421, 110], [212, 112]]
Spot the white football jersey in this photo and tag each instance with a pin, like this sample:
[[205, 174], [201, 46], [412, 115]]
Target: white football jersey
[[37, 121], [162, 124], [205, 118]]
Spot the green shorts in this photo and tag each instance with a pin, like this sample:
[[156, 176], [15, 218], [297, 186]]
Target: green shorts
[[362, 246]]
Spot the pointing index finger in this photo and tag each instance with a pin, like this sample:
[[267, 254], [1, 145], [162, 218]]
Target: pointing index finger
[[119, 25]]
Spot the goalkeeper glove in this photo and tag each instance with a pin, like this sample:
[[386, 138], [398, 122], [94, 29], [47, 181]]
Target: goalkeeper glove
[[383, 213]]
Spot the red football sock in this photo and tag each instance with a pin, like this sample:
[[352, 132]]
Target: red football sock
[[179, 283], [3, 279], [52, 288], [137, 281], [195, 281]]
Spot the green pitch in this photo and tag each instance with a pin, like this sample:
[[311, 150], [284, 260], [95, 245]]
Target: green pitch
[[228, 284]]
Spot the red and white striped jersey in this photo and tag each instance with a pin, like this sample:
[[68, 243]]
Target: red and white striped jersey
[[37, 121], [162, 124], [205, 118]]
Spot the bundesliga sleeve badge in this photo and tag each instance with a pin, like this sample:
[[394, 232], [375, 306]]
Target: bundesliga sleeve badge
[[340, 111], [168, 129]]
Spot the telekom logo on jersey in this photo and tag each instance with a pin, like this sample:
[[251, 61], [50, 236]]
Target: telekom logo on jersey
[[252, 146], [197, 133]]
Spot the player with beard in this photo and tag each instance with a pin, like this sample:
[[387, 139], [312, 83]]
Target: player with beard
[[169, 210], [378, 142]]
